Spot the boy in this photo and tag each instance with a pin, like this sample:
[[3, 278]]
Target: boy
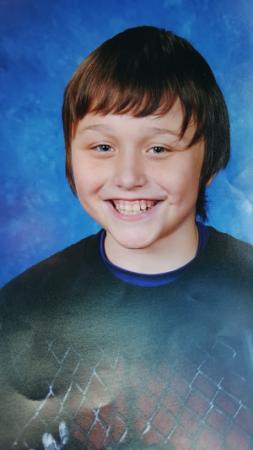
[[140, 336]]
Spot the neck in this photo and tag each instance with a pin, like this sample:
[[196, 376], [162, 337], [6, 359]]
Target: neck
[[168, 253]]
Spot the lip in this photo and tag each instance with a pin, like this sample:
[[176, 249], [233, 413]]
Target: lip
[[135, 199], [134, 218]]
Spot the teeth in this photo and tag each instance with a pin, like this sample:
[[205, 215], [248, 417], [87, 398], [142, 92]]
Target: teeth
[[133, 207], [143, 205]]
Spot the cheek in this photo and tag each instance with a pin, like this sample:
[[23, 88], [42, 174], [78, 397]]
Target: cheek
[[182, 184], [180, 179], [87, 176]]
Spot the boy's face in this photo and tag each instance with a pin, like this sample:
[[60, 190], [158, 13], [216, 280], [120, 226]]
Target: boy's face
[[136, 177]]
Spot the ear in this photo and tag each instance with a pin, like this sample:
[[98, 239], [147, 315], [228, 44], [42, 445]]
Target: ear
[[210, 180]]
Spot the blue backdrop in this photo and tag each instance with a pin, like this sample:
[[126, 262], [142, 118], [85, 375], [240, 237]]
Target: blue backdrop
[[42, 44]]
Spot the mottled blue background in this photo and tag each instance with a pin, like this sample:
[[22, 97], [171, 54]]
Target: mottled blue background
[[42, 44]]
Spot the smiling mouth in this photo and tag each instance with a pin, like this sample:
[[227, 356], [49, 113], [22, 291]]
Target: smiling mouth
[[133, 207]]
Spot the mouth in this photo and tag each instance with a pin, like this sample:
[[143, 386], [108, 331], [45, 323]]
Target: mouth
[[133, 207]]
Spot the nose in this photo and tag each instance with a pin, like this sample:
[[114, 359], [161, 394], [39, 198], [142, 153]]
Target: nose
[[129, 171]]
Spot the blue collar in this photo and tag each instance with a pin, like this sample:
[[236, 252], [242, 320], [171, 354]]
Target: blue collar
[[141, 279]]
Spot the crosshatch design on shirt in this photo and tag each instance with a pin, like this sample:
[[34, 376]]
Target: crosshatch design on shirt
[[201, 402]]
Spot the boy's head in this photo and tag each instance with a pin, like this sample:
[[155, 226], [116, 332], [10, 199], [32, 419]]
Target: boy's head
[[143, 71]]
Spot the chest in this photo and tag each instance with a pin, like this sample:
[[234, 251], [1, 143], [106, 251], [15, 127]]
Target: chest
[[154, 386]]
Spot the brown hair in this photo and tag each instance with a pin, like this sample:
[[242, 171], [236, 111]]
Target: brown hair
[[142, 71]]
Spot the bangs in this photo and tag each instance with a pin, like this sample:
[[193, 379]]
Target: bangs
[[141, 101], [138, 101], [108, 97], [123, 83]]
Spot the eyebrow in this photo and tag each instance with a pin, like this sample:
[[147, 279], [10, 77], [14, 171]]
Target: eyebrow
[[102, 127]]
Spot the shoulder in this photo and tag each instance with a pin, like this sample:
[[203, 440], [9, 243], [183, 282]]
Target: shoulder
[[232, 281], [229, 249], [54, 273], [226, 267]]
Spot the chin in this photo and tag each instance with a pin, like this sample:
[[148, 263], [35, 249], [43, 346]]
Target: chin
[[134, 242], [134, 245]]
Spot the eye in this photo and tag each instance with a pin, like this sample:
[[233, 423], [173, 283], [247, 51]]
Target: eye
[[103, 148], [158, 150]]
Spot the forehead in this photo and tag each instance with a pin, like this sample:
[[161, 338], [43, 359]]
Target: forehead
[[167, 124]]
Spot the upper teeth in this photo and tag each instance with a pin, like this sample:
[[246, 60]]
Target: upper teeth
[[133, 207]]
